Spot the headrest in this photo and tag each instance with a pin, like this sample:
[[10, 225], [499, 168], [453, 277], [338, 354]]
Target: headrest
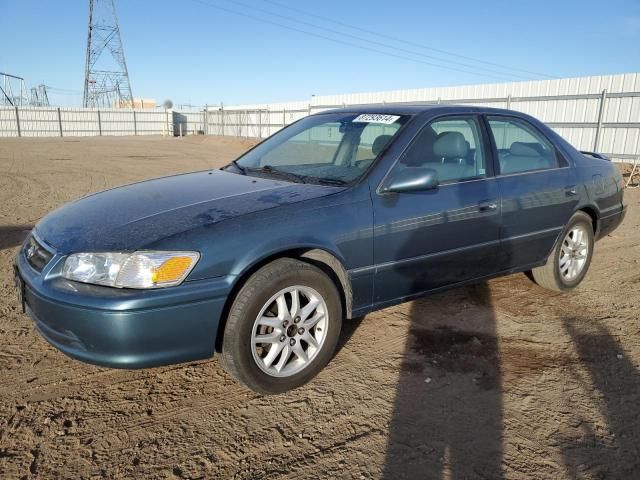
[[523, 149], [451, 144], [379, 143], [422, 148]]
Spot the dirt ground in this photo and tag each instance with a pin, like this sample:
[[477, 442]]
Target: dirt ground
[[498, 380]]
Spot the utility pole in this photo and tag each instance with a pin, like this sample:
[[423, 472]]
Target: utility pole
[[106, 79]]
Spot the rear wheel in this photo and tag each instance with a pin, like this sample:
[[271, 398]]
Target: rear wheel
[[283, 327], [567, 265]]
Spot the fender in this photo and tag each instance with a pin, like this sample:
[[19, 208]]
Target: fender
[[312, 252], [590, 210]]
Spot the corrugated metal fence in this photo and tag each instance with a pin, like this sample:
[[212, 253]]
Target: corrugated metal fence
[[81, 122], [599, 113]]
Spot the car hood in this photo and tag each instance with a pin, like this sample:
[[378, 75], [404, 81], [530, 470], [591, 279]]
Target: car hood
[[135, 216]]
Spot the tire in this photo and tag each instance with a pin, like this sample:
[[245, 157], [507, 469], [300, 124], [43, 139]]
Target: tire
[[258, 313], [551, 276]]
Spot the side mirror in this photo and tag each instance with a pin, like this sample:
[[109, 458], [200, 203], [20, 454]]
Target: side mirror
[[412, 179]]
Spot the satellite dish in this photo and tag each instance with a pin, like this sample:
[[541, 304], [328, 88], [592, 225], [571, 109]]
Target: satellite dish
[[168, 104]]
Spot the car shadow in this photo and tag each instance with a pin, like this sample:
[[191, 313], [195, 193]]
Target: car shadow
[[447, 418], [614, 383], [447, 415], [13, 235]]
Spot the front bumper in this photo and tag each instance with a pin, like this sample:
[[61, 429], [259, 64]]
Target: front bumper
[[124, 328]]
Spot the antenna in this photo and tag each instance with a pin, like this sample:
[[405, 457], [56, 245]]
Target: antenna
[[106, 79]]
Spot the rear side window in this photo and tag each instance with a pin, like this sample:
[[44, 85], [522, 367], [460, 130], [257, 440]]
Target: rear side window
[[521, 148], [452, 146]]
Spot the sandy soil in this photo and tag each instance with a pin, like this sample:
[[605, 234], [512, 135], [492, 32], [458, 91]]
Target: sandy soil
[[502, 379]]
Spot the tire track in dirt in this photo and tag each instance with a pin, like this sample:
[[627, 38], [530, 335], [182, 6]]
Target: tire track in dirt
[[225, 398], [9, 185], [347, 360], [33, 191]]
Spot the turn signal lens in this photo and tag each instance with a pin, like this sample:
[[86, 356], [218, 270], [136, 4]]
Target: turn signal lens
[[171, 270]]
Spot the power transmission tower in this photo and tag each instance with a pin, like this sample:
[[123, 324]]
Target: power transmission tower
[[106, 79], [39, 96], [12, 90]]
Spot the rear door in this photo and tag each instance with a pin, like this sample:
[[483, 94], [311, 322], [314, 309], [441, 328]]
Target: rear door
[[538, 190], [424, 240]]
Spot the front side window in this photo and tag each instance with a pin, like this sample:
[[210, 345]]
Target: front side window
[[333, 147], [520, 147], [450, 146]]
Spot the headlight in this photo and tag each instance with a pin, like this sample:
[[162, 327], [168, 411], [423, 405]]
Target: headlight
[[130, 270]]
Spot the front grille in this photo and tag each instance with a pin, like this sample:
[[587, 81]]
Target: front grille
[[36, 253]]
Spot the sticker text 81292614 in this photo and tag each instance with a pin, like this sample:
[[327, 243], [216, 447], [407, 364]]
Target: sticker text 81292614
[[376, 118]]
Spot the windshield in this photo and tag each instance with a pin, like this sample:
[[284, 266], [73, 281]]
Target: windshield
[[333, 148]]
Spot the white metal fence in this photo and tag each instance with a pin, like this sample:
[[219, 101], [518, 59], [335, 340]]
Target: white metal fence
[[599, 113], [593, 113], [75, 122]]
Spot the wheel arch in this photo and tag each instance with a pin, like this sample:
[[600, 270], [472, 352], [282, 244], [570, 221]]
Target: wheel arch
[[592, 212], [595, 220], [326, 261]]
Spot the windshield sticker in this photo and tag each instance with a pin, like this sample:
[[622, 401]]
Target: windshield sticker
[[376, 118]]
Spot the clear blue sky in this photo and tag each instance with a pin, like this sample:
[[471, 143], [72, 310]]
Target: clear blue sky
[[191, 52]]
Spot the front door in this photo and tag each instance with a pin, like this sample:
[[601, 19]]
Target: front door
[[424, 240]]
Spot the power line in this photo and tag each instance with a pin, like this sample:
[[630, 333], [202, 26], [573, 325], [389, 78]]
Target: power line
[[342, 42], [374, 42], [406, 42], [64, 90], [65, 94]]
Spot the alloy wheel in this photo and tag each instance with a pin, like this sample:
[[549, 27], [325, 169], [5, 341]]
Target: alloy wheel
[[289, 331], [574, 253]]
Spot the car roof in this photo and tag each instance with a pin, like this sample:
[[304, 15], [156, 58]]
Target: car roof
[[417, 108]]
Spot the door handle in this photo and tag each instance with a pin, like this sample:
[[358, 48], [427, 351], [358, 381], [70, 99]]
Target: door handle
[[570, 191], [488, 206]]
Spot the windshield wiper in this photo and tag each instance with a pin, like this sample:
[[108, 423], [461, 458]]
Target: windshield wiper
[[281, 173], [239, 167], [331, 181]]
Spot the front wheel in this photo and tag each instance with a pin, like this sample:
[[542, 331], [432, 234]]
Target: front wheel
[[567, 265], [282, 328]]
